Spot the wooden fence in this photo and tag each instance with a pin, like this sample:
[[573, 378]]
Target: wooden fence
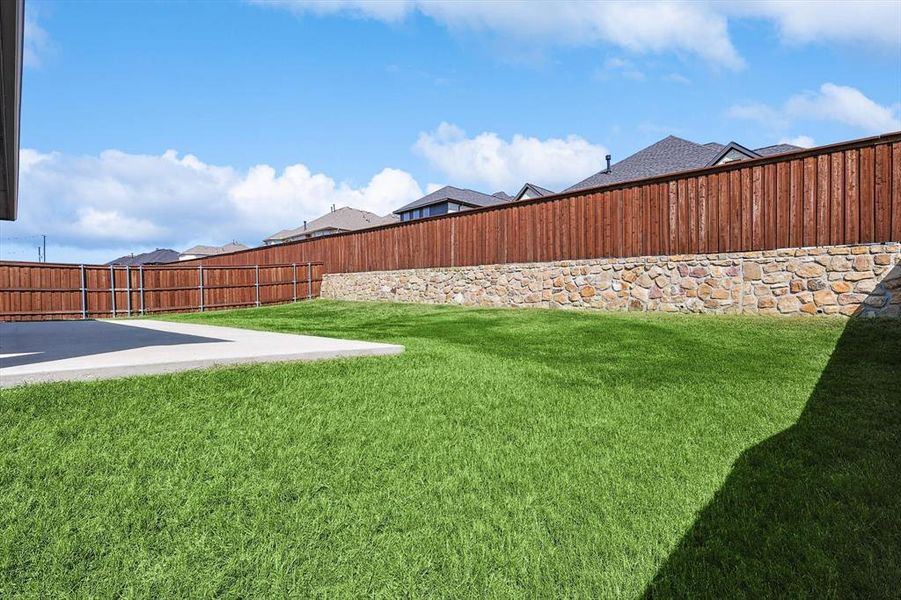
[[37, 291], [842, 194], [846, 193]]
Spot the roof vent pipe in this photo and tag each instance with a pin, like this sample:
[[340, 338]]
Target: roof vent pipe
[[304, 225], [608, 157]]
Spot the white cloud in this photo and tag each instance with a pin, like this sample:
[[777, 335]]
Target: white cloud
[[620, 66], [698, 28], [37, 43], [804, 141], [389, 11], [803, 21], [837, 103], [489, 162], [677, 78], [757, 111], [113, 225], [846, 105], [119, 200], [657, 26]]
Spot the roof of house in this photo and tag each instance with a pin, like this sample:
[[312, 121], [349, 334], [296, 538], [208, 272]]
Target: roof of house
[[537, 189], [455, 194], [669, 155], [156, 257], [343, 219], [502, 195], [776, 149], [202, 250]]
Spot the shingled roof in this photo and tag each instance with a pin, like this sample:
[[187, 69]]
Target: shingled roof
[[342, 219], [454, 194], [156, 257], [537, 191], [202, 250], [669, 155]]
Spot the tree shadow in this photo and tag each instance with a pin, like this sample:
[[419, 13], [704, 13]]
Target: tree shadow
[[814, 511]]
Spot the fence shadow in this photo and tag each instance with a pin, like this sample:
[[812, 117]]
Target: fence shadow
[[43, 341], [814, 510]]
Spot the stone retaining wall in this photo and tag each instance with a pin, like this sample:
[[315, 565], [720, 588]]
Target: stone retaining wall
[[845, 280]]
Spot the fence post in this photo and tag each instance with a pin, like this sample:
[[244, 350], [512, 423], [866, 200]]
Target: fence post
[[112, 290], [141, 287], [200, 278], [84, 294], [309, 280], [294, 279], [257, 282], [128, 290]]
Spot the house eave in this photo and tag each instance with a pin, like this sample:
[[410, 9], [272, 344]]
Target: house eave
[[12, 22]]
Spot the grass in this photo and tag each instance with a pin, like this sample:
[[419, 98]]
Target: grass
[[504, 454]]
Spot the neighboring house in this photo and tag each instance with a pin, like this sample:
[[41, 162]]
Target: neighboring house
[[448, 199], [201, 251], [530, 191], [671, 155], [157, 257], [336, 221]]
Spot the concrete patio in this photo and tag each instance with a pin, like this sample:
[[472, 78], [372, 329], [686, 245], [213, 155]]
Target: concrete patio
[[82, 350]]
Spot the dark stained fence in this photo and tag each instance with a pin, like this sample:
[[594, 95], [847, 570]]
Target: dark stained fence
[[38, 291], [843, 194]]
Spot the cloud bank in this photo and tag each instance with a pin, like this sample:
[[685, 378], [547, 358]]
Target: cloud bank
[[697, 28], [121, 201], [488, 162], [835, 103], [139, 201]]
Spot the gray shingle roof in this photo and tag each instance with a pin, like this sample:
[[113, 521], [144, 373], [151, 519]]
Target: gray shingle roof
[[158, 256], [343, 219], [539, 191], [669, 155], [449, 192], [776, 149], [203, 250]]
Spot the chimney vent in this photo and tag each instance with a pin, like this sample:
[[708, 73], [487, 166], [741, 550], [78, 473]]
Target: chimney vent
[[333, 208], [608, 157], [304, 225]]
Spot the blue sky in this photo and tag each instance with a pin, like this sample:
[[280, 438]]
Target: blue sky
[[151, 125]]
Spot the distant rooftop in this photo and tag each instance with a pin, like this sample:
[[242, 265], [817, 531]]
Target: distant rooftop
[[671, 155], [530, 190], [342, 219], [455, 194], [156, 257], [202, 250]]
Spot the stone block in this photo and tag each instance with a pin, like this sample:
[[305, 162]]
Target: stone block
[[859, 276], [788, 304], [766, 303], [816, 284], [810, 270], [862, 263], [751, 271], [824, 297]]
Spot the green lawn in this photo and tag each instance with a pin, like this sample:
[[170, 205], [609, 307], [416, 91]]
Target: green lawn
[[504, 454]]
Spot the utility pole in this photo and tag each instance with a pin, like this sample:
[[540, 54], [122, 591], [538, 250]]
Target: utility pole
[[39, 254], [45, 247]]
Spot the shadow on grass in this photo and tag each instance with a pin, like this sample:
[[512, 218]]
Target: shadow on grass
[[814, 511]]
